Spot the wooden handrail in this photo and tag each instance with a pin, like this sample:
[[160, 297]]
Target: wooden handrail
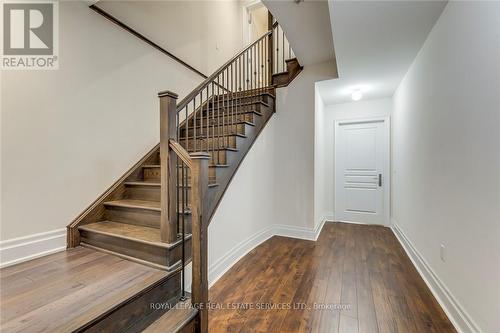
[[181, 153], [211, 78], [190, 126], [144, 38]]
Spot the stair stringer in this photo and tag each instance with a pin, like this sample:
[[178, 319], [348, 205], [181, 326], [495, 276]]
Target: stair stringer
[[225, 176], [96, 210]]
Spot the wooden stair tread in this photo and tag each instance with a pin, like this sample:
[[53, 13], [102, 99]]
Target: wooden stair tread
[[174, 320], [210, 166], [236, 95], [203, 136], [209, 185], [240, 104], [104, 283], [183, 127], [142, 234], [281, 73], [143, 183], [156, 184], [220, 115], [139, 204], [124, 230], [218, 148]]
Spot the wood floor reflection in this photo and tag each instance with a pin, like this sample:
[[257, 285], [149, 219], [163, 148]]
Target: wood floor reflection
[[355, 278]]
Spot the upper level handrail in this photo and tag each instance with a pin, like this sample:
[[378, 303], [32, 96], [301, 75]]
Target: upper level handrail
[[143, 38], [207, 81]]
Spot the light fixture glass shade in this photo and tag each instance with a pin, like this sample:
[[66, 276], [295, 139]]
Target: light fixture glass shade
[[356, 95]]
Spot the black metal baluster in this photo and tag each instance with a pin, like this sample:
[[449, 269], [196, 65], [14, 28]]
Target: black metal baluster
[[277, 48], [177, 187], [183, 249], [207, 131], [266, 64], [218, 121], [261, 65], [283, 47], [231, 97], [194, 125], [213, 125], [186, 122], [254, 72], [242, 84], [224, 116]]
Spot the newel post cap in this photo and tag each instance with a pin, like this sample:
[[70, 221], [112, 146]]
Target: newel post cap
[[167, 93]]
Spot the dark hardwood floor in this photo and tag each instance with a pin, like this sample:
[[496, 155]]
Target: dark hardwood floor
[[361, 269]]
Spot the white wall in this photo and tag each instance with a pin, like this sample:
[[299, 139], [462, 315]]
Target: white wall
[[325, 144], [246, 212], [272, 192], [68, 134], [259, 18], [446, 157], [203, 33], [294, 152], [321, 209]]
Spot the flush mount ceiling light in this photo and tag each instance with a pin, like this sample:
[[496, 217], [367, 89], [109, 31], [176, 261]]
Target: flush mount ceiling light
[[356, 95]]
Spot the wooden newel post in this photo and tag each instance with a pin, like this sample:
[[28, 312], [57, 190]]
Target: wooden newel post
[[270, 47], [199, 225], [168, 161]]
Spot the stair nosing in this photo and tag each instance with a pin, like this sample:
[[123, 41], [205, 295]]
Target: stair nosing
[[169, 269], [190, 313], [219, 125], [244, 104], [114, 204], [143, 183], [209, 185], [211, 137], [237, 114], [217, 149], [256, 95], [138, 240]]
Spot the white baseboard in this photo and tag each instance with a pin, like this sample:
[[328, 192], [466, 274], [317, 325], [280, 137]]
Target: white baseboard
[[455, 312], [223, 264], [17, 250], [300, 232]]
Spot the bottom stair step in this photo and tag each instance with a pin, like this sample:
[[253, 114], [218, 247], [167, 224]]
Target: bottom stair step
[[176, 320], [84, 291], [134, 242]]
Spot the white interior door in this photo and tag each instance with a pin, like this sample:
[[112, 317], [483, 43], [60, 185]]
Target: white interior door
[[361, 171]]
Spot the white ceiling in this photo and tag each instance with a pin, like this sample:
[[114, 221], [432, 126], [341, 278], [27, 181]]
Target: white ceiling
[[306, 25], [375, 43]]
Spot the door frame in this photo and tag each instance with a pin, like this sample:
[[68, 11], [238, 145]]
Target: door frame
[[387, 162], [249, 5]]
